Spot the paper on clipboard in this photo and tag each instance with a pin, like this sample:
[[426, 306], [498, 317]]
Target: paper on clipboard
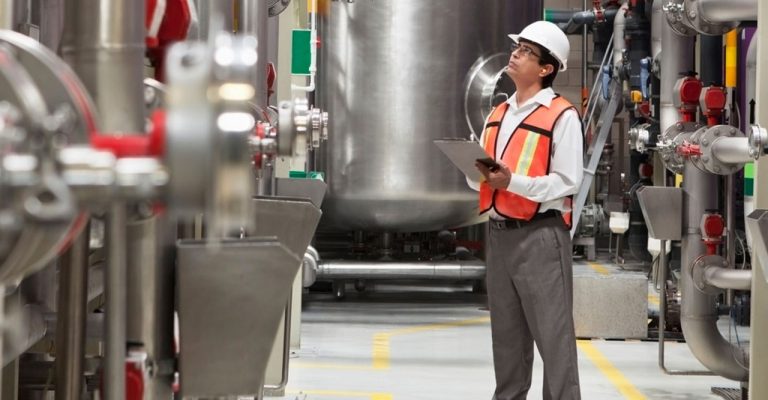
[[463, 153]]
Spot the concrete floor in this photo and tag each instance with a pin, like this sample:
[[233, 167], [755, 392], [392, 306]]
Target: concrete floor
[[431, 343]]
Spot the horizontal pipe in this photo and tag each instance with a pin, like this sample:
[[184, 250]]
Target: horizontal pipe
[[732, 150], [728, 10], [341, 269], [728, 278]]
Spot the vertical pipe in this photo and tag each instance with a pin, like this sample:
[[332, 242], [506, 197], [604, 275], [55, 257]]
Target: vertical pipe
[[584, 53], [6, 14], [758, 385], [71, 316], [104, 43], [676, 57], [252, 21], [711, 71], [150, 296], [730, 244], [698, 314], [116, 299]]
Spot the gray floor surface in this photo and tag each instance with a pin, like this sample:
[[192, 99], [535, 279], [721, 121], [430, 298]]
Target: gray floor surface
[[434, 342]]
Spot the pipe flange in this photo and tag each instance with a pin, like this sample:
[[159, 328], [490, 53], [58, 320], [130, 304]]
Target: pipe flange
[[674, 11], [209, 121], [758, 141], [639, 137], [705, 138], [697, 269], [676, 135]]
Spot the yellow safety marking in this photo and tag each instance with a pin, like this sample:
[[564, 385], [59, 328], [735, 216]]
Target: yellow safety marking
[[654, 299], [352, 367], [381, 340], [599, 268], [612, 373], [526, 156], [337, 393]]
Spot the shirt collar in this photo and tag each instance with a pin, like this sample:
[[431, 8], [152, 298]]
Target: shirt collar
[[543, 97]]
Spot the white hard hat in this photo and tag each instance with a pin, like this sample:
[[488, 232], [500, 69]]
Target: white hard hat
[[549, 36]]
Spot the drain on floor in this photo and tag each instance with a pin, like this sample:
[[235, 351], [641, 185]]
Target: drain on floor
[[727, 393]]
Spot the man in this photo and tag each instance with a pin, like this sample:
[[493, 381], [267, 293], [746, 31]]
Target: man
[[536, 139]]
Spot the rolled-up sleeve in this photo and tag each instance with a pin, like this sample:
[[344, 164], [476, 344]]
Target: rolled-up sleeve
[[566, 168]]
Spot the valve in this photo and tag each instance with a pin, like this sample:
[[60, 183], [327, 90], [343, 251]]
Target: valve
[[645, 74], [712, 102], [688, 149], [686, 100], [712, 228], [607, 75]]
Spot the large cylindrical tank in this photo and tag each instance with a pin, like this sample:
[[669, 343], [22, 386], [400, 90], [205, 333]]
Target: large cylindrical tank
[[393, 76]]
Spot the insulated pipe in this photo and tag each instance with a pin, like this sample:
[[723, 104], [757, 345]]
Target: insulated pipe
[[657, 23], [104, 43], [252, 21], [72, 311], [728, 10], [340, 269], [698, 314], [732, 150], [727, 278], [676, 57], [619, 44]]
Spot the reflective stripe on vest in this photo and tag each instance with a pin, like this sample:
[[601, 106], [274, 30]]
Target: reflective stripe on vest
[[528, 152]]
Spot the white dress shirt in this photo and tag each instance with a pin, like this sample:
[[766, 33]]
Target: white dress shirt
[[567, 165]]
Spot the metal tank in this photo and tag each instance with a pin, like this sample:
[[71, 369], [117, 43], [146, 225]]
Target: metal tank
[[394, 75]]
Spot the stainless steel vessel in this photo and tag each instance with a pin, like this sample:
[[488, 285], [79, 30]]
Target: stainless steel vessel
[[394, 76]]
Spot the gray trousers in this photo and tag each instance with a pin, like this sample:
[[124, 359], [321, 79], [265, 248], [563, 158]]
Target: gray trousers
[[530, 295]]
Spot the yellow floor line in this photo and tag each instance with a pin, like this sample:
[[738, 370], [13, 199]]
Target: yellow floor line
[[612, 373], [350, 367], [337, 394], [381, 340], [599, 268], [654, 299]]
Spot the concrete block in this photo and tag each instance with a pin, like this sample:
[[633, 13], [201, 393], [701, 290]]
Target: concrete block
[[611, 305]]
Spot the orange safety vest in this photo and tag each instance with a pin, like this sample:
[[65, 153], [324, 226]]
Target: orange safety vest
[[528, 152]]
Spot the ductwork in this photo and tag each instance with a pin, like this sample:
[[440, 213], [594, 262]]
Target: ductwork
[[454, 270]]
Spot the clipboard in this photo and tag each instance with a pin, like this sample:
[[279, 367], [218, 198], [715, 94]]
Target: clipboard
[[463, 153]]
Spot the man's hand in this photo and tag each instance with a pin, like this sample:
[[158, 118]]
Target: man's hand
[[496, 179]]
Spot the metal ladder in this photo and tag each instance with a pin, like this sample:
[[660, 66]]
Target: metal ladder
[[604, 124]]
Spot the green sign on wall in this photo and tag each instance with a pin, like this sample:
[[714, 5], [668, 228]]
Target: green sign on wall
[[300, 52]]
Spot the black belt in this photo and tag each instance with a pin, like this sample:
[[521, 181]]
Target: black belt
[[519, 223]]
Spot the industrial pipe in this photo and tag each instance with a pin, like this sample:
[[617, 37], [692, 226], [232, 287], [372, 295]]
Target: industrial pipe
[[698, 314], [341, 269], [732, 150], [103, 41], [728, 10], [252, 21], [6, 14], [727, 278], [310, 267], [619, 44], [115, 278], [676, 57], [71, 318]]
